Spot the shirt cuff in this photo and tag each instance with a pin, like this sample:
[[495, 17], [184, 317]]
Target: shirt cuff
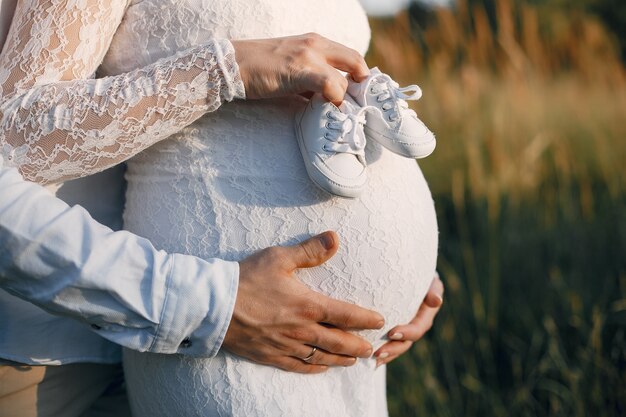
[[198, 306]]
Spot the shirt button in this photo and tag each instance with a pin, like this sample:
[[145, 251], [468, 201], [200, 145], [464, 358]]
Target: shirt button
[[186, 343], [95, 327]]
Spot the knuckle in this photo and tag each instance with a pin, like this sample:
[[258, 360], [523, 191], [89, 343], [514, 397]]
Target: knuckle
[[336, 346], [327, 83], [305, 370], [291, 367], [349, 361], [305, 55], [312, 39], [300, 334], [331, 89], [301, 367], [310, 311], [314, 337], [306, 249], [349, 317]]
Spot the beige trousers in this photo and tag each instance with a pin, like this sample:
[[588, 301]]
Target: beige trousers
[[76, 390]]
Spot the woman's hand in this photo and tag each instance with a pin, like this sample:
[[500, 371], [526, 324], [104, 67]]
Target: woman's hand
[[403, 337], [296, 65]]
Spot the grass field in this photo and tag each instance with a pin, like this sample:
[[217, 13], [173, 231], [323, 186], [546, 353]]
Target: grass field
[[529, 181]]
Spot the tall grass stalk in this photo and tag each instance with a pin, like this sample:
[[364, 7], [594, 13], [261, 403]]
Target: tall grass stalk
[[529, 183]]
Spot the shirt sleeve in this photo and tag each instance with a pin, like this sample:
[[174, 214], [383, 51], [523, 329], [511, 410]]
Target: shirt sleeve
[[62, 260], [58, 122]]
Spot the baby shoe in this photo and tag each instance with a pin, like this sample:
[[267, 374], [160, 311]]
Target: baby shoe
[[332, 143], [390, 122]]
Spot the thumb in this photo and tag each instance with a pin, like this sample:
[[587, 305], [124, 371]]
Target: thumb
[[312, 252]]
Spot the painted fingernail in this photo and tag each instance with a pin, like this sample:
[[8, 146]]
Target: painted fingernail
[[383, 355], [396, 336]]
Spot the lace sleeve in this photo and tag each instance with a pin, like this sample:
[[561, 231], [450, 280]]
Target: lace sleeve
[[58, 122]]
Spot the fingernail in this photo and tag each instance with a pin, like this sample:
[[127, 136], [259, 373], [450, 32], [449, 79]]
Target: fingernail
[[327, 241], [368, 353], [440, 298], [380, 324], [396, 336], [383, 355]]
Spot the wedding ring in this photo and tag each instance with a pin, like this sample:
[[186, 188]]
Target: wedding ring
[[308, 358]]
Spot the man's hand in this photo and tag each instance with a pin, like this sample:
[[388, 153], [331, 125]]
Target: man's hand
[[403, 337], [278, 320]]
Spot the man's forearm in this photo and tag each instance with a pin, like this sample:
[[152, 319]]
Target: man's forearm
[[62, 260]]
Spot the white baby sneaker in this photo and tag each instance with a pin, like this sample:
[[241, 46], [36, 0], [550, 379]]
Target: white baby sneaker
[[390, 122], [332, 143]]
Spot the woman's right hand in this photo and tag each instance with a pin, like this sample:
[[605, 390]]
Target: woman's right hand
[[297, 65]]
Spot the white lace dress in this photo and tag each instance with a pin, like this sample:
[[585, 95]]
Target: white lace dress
[[223, 184]]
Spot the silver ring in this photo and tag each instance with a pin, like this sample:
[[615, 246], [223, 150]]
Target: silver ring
[[308, 358]]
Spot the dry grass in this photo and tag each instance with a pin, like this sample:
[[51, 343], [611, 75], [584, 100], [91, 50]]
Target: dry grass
[[529, 181]]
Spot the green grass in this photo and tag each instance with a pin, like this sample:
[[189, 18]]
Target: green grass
[[529, 181], [533, 255]]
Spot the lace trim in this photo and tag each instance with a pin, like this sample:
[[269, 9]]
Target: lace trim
[[57, 123]]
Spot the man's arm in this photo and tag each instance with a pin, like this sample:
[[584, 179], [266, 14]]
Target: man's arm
[[62, 260]]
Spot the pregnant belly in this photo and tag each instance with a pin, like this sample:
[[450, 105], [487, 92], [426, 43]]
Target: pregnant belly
[[234, 183]]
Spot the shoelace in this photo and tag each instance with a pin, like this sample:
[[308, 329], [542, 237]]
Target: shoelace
[[343, 134], [389, 93]]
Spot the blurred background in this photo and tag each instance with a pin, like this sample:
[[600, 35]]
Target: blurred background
[[528, 102]]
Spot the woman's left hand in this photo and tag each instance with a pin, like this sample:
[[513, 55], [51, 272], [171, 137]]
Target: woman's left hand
[[403, 337]]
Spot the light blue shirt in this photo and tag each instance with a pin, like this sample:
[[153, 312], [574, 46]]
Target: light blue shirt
[[99, 286]]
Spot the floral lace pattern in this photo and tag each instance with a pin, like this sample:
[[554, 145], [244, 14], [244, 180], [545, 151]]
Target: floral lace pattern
[[224, 184], [234, 182], [60, 122]]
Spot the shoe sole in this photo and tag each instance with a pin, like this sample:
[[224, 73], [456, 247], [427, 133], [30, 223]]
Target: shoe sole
[[421, 150], [318, 178]]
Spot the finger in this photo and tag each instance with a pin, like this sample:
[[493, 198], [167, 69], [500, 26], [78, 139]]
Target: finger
[[339, 342], [391, 350], [347, 59], [335, 87], [290, 364], [415, 330], [321, 357], [348, 316], [330, 83], [312, 252], [434, 298], [426, 314]]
